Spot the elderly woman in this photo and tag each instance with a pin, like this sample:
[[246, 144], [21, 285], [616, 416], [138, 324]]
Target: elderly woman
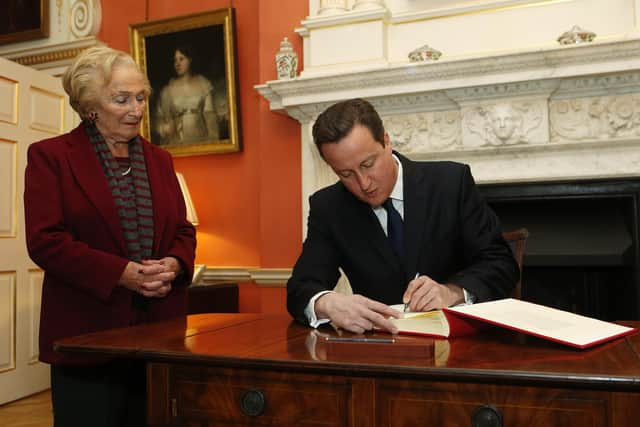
[[105, 220]]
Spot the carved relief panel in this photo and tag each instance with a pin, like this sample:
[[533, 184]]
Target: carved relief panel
[[601, 117], [424, 132], [505, 123]]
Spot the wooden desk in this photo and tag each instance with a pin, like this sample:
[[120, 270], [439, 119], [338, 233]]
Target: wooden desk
[[249, 369]]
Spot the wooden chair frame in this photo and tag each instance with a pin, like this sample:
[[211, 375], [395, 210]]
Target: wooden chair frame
[[517, 239]]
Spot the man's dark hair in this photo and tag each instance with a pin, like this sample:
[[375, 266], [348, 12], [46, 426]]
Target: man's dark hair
[[337, 121]]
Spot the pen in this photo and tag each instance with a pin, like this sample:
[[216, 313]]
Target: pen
[[357, 339], [406, 304]]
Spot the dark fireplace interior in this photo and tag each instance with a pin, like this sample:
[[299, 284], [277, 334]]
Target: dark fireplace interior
[[582, 250]]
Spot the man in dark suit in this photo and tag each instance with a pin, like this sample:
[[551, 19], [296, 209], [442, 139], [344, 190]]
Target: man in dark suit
[[402, 231]]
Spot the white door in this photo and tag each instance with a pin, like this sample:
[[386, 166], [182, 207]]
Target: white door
[[33, 106]]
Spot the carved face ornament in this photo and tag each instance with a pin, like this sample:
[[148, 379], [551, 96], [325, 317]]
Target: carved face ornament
[[504, 121]]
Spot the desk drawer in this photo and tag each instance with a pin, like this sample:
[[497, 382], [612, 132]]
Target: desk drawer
[[214, 396], [402, 403]]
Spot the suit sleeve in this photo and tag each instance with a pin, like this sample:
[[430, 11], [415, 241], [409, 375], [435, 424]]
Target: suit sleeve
[[50, 244], [317, 267], [491, 271]]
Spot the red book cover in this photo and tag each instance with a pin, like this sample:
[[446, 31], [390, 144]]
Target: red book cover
[[543, 322], [533, 319]]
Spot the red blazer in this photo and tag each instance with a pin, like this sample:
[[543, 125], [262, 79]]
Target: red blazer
[[73, 233]]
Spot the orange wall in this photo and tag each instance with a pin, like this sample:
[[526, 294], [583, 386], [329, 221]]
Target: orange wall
[[248, 203]]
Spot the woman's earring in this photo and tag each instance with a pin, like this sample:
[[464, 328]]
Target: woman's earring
[[93, 117]]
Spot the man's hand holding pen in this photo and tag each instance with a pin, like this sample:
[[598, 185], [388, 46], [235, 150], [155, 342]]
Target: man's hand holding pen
[[424, 294]]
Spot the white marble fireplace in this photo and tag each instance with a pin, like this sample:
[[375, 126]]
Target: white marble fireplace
[[542, 112]]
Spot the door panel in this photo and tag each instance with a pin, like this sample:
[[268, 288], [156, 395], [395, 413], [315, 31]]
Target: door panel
[[33, 106]]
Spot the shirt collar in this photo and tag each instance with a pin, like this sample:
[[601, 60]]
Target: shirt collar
[[397, 192]]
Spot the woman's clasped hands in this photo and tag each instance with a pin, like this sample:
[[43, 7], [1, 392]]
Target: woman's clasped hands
[[151, 278]]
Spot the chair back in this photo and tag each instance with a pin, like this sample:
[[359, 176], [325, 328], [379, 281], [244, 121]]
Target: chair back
[[517, 239]]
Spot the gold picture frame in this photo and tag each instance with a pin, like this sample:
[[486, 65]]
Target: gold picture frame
[[193, 107], [24, 20]]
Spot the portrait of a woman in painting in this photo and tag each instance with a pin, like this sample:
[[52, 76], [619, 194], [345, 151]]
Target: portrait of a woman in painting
[[190, 63], [188, 102], [185, 112]]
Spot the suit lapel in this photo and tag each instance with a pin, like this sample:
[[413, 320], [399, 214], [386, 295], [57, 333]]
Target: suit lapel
[[87, 170], [415, 213]]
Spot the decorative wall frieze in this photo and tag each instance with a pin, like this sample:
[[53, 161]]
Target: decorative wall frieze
[[424, 132], [606, 117], [505, 123]]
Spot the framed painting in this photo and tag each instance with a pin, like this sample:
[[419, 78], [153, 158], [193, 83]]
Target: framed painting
[[190, 63], [22, 20]]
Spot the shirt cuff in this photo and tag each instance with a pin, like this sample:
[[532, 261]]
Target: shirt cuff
[[310, 312], [469, 298]]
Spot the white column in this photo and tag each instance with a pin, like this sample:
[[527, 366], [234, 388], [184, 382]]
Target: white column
[[368, 4], [331, 7]]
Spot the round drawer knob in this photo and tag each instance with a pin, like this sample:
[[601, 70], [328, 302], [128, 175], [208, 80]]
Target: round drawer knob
[[486, 416], [252, 402]]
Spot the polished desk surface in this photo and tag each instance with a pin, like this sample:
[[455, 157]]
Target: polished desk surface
[[276, 342]]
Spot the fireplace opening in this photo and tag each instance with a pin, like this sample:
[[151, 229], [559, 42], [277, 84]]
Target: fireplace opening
[[582, 250]]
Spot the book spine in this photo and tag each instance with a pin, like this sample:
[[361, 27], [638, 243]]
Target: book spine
[[462, 325]]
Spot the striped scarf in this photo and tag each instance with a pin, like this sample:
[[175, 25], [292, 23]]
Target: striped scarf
[[131, 194]]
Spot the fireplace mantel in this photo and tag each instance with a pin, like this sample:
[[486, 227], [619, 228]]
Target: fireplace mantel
[[549, 114], [425, 86]]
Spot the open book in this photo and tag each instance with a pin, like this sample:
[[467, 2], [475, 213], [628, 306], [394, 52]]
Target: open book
[[533, 319]]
